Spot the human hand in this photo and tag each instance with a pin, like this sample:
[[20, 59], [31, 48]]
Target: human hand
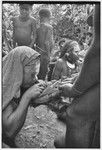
[[43, 83], [66, 90], [35, 91]]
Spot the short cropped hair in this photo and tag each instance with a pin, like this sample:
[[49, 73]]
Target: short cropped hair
[[61, 41], [66, 46], [25, 5], [44, 12], [69, 45]]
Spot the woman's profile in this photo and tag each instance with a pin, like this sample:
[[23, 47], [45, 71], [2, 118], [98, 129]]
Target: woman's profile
[[20, 69]]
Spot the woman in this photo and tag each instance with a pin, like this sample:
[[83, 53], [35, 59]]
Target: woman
[[20, 68]]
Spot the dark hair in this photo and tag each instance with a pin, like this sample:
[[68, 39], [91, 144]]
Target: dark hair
[[89, 33], [61, 41], [72, 58], [25, 4], [44, 12], [65, 48]]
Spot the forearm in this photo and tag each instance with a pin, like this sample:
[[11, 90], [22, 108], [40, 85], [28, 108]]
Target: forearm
[[55, 77], [32, 42], [17, 118], [33, 38], [13, 37], [89, 74], [5, 39], [14, 42], [56, 74]]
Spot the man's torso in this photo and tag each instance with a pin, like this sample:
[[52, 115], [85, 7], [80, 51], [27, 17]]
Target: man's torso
[[22, 31]]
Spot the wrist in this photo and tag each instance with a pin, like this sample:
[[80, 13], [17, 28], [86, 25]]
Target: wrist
[[27, 97]]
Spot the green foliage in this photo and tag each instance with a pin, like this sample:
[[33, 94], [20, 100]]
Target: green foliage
[[67, 20]]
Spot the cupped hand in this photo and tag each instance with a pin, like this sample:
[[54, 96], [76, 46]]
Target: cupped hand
[[42, 83], [35, 91]]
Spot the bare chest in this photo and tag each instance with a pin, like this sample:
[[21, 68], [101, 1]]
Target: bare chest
[[22, 25]]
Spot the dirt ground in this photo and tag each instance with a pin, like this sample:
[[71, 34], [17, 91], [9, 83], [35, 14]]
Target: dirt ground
[[40, 129]]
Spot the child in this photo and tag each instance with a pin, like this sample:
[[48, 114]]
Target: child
[[67, 63], [24, 27], [44, 41]]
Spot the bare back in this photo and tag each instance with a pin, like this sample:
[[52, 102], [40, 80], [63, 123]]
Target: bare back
[[45, 37]]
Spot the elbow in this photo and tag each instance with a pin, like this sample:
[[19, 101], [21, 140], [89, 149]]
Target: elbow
[[10, 134], [9, 130]]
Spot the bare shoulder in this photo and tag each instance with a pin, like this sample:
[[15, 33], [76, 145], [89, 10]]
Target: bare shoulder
[[48, 26], [59, 62], [14, 18], [33, 20]]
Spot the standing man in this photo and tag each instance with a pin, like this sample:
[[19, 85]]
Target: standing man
[[44, 41], [24, 27]]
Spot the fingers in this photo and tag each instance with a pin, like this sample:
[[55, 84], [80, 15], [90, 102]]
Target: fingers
[[43, 84], [41, 89], [61, 87]]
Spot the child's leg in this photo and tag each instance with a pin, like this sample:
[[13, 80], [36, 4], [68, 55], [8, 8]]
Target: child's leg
[[43, 68]]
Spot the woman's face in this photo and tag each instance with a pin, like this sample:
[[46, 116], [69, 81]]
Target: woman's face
[[30, 74]]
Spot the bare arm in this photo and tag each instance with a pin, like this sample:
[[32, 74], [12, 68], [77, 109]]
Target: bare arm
[[88, 77], [49, 39], [56, 75], [33, 25], [13, 120], [13, 36], [90, 73], [5, 39]]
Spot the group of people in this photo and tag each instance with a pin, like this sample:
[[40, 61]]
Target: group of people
[[24, 74], [26, 33]]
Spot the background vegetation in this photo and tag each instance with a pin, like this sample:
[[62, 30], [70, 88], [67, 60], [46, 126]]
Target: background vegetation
[[68, 21]]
